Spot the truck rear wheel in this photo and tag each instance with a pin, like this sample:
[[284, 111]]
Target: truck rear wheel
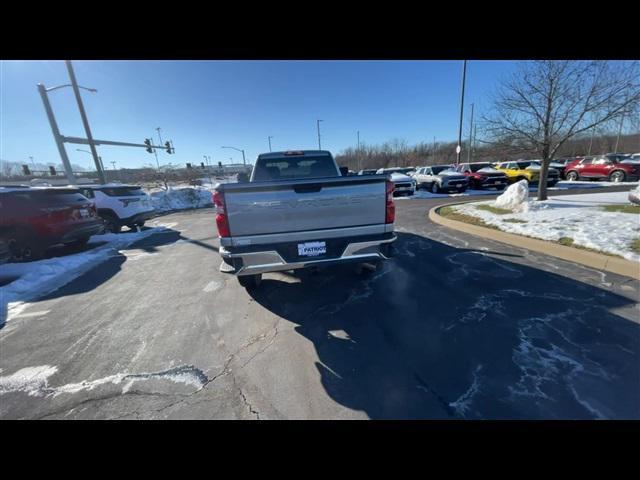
[[250, 281]]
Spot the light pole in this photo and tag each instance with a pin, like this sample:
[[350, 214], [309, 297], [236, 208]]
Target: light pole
[[269, 138], [244, 161], [32, 162], [159, 137], [57, 136], [470, 136], [318, 127], [85, 120], [87, 151], [433, 161], [459, 147], [358, 152]]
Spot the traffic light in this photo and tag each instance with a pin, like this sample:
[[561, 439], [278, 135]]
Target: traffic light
[[219, 164], [169, 148], [147, 142], [52, 170], [202, 165], [189, 165], [25, 170]]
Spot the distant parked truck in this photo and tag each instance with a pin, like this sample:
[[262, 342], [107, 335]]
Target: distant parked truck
[[483, 175], [298, 211], [528, 170], [439, 178]]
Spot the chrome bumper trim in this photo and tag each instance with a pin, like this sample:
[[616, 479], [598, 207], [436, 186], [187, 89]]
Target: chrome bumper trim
[[270, 261]]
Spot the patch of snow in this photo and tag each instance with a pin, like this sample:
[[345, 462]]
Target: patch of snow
[[35, 279], [463, 403], [576, 216], [515, 197], [30, 380], [634, 195], [34, 380], [181, 198]]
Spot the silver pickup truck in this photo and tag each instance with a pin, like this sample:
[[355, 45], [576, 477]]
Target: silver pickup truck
[[297, 210]]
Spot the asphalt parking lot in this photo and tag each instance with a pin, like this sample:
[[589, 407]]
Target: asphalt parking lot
[[453, 327]]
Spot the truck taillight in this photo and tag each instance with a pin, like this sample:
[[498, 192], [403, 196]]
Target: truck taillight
[[390, 215], [221, 214]]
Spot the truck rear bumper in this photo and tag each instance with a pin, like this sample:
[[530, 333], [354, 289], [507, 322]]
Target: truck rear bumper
[[269, 260]]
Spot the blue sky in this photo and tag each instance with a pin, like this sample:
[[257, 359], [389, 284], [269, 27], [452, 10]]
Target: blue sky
[[204, 105]]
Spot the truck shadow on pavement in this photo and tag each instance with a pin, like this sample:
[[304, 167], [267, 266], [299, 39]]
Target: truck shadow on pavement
[[440, 332]]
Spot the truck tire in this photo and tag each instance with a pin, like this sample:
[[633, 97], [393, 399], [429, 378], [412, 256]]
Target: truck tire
[[250, 281]]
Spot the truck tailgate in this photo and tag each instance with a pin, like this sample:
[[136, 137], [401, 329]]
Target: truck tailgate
[[299, 205]]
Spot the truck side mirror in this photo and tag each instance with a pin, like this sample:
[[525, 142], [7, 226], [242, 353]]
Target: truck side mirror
[[344, 171]]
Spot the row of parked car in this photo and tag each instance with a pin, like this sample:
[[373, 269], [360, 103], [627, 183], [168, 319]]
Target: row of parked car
[[34, 219], [485, 175]]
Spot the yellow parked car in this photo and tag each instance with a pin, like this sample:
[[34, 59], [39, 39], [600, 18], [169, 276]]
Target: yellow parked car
[[528, 170]]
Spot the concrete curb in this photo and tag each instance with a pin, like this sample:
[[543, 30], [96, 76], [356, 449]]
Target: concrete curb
[[583, 257]]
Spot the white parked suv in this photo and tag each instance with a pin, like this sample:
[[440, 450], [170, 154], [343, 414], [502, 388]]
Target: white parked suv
[[120, 205]]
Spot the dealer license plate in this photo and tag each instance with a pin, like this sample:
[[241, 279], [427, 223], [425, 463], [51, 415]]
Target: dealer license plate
[[312, 249]]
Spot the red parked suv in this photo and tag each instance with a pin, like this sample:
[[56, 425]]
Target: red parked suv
[[32, 219], [603, 168]]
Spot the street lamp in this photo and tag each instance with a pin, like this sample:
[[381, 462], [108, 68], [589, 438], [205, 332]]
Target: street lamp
[[318, 127], [269, 138], [459, 147], [54, 126], [87, 151], [239, 150]]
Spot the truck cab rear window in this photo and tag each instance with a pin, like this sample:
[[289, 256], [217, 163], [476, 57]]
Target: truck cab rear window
[[301, 167]]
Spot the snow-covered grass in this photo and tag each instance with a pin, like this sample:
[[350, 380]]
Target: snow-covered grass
[[185, 196], [181, 198], [576, 220], [35, 279]]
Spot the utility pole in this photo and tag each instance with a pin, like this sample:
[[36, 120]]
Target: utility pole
[[56, 134], [318, 126], [615, 150], [85, 121], [459, 147], [473, 154], [470, 136], [358, 152], [591, 141], [269, 138], [433, 161]]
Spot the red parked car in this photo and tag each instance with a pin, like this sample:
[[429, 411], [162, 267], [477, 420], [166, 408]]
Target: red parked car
[[32, 219], [602, 168]]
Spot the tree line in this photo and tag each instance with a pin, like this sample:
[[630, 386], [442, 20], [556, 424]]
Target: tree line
[[397, 152]]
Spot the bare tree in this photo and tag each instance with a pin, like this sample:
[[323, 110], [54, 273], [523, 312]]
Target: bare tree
[[547, 102]]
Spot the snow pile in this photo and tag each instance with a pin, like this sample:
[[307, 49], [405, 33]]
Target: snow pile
[[634, 195], [34, 279], [181, 198], [578, 217], [515, 197]]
